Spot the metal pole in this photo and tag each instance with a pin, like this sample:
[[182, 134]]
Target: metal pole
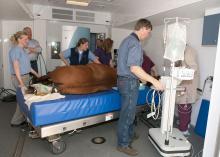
[[169, 107]]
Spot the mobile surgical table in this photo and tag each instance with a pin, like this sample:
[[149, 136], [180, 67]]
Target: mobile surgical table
[[54, 117]]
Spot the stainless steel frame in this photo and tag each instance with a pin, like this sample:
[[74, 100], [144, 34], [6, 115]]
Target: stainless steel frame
[[59, 128], [53, 132]]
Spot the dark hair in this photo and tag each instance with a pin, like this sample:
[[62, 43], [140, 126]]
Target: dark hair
[[107, 45], [82, 41], [99, 43], [18, 35], [143, 23], [27, 29]]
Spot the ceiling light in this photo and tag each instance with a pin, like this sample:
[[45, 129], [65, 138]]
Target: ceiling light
[[75, 2]]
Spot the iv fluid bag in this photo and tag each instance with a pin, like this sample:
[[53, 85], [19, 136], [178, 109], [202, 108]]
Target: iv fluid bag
[[175, 42]]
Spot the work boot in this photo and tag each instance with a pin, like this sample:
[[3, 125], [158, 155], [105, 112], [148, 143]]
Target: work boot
[[128, 150]]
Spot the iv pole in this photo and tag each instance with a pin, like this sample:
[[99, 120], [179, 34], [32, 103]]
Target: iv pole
[[161, 137], [169, 125]]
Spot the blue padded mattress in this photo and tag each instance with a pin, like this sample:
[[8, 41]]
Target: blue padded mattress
[[74, 106]]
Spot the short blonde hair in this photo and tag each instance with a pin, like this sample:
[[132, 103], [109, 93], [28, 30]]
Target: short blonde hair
[[18, 35]]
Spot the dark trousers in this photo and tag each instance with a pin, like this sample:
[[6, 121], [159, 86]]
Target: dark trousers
[[128, 89], [184, 111], [34, 65]]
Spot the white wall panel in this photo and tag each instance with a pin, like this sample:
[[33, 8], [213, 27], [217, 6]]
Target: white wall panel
[[40, 34], [118, 35]]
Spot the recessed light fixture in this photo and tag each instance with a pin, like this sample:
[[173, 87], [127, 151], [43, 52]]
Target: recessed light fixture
[[84, 3]]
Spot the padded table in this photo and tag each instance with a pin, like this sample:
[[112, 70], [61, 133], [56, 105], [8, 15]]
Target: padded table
[[74, 106]]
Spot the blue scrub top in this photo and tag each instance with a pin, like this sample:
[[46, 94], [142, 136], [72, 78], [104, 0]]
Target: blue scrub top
[[19, 54], [67, 54], [130, 53], [34, 44]]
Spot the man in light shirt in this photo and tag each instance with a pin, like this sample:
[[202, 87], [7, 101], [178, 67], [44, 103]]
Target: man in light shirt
[[33, 48]]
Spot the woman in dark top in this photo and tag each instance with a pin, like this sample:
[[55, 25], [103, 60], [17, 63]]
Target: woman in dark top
[[104, 53], [99, 47], [79, 55], [149, 66]]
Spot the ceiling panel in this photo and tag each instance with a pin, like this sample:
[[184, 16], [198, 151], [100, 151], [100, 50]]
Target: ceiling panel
[[194, 11], [10, 10], [124, 12], [94, 5]]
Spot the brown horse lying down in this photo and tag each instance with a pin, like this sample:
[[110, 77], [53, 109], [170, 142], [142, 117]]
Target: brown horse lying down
[[82, 79]]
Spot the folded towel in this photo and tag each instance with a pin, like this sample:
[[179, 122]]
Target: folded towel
[[30, 98]]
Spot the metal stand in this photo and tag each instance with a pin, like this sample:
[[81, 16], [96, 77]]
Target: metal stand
[[167, 140]]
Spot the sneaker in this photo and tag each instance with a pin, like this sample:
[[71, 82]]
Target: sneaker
[[186, 133], [128, 150], [18, 125]]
